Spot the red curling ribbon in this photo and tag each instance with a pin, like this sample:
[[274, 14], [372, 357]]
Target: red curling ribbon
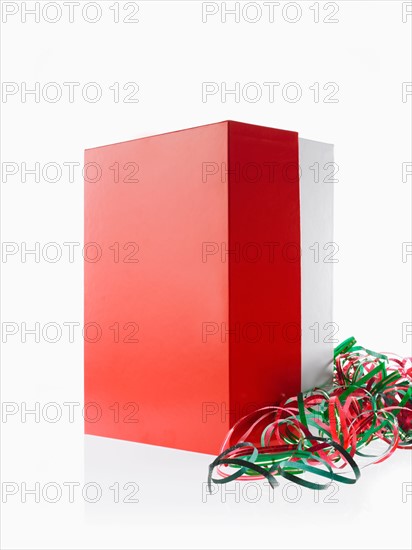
[[324, 433]]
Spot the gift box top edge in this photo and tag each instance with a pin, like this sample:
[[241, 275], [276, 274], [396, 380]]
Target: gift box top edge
[[232, 122]]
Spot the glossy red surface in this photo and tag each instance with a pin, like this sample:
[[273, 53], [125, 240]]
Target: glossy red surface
[[185, 381]]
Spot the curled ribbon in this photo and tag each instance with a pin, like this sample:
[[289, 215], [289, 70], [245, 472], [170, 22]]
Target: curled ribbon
[[320, 432]]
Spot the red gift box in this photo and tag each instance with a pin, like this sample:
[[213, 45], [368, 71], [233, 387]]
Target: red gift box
[[193, 282]]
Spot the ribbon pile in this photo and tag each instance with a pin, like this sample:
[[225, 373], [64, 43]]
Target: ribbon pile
[[319, 433]]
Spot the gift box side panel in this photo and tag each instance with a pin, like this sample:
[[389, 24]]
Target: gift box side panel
[[319, 253], [150, 372], [264, 267]]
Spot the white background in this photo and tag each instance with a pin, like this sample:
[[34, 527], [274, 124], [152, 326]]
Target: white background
[[169, 53]]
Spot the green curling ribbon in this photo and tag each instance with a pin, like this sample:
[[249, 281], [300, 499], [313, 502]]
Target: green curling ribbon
[[317, 433]]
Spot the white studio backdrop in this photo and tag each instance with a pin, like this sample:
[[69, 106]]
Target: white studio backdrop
[[78, 75]]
